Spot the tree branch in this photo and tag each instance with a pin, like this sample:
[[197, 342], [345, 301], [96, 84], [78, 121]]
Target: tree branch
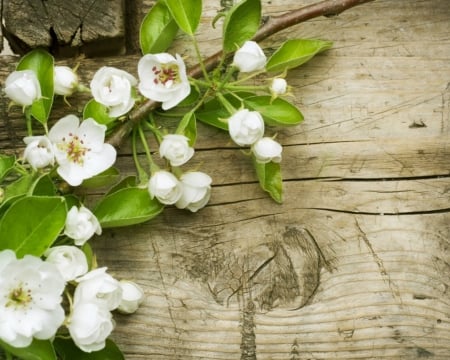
[[273, 25]]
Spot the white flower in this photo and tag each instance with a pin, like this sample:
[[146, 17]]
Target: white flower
[[113, 88], [80, 150], [65, 81], [89, 326], [196, 187], [39, 152], [81, 225], [132, 297], [30, 299], [267, 150], [165, 187], [98, 287], [176, 149], [23, 87], [163, 78], [246, 127], [70, 261], [249, 57], [278, 86]]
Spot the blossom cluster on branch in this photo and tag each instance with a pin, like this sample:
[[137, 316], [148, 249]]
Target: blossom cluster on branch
[[54, 299]]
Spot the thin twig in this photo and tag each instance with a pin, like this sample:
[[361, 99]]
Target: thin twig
[[273, 25]]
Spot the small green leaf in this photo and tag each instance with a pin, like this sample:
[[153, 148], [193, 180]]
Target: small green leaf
[[98, 112], [44, 186], [188, 127], [106, 178], [186, 13], [34, 233], [127, 206], [6, 164], [127, 182], [38, 350], [67, 350], [295, 52], [20, 186], [240, 24], [276, 112], [41, 62], [270, 180], [158, 29]]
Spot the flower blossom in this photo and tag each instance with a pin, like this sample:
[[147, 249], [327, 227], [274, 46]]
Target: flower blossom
[[30, 299], [165, 187], [132, 297], [163, 78], [176, 149], [80, 150], [39, 152], [70, 261], [267, 150], [278, 86], [196, 192], [65, 80], [249, 57], [23, 87], [112, 88], [81, 225], [98, 287], [89, 326], [246, 127]]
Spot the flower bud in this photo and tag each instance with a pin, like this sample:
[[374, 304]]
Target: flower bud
[[267, 150], [38, 152], [176, 149], [81, 224], [70, 261], [246, 127], [132, 297], [196, 187], [23, 87], [249, 57], [278, 86], [165, 187], [65, 81]]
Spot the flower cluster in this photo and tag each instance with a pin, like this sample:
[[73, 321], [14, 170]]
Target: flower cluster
[[51, 288]]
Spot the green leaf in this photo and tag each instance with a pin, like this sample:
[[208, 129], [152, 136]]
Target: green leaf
[[6, 164], [35, 232], [240, 24], [158, 29], [276, 112], [186, 13], [127, 206], [106, 178], [295, 52], [19, 186], [188, 127], [44, 186], [98, 112], [270, 180], [67, 350], [127, 182], [38, 350], [41, 62]]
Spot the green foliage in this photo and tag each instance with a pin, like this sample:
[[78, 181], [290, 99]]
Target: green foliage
[[186, 13], [276, 112], [270, 179], [241, 23], [295, 52], [38, 350], [6, 164], [34, 233], [41, 62], [67, 350], [158, 29], [188, 127], [126, 206], [106, 178], [98, 112]]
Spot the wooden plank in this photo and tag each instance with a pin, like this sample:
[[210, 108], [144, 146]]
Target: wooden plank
[[355, 263]]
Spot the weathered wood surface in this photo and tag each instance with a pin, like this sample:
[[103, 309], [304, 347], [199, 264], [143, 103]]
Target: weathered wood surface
[[355, 264]]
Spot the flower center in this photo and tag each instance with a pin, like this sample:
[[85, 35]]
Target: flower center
[[166, 74], [19, 297], [75, 148]]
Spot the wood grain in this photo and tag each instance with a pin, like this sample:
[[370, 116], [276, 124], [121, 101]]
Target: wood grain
[[355, 263]]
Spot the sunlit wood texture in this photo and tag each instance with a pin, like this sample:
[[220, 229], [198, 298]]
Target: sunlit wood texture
[[355, 263]]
